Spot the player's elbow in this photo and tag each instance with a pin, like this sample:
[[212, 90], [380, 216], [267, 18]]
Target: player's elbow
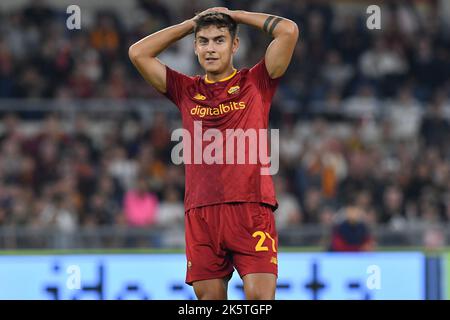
[[136, 53], [292, 30], [133, 53]]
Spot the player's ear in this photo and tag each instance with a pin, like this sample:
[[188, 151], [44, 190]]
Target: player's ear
[[195, 47], [235, 46]]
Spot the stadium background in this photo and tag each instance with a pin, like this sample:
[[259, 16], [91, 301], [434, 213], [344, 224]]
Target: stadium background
[[364, 119]]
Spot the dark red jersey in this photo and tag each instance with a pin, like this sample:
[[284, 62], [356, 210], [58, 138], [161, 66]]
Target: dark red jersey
[[221, 120]]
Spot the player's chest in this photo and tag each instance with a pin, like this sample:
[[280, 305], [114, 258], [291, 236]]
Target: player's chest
[[234, 101]]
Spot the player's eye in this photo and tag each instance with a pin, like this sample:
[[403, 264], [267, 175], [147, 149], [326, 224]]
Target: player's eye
[[220, 40]]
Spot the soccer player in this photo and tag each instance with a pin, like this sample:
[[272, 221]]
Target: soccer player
[[229, 208]]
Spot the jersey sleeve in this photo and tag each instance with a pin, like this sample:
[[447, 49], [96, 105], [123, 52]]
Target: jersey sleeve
[[176, 83], [266, 85]]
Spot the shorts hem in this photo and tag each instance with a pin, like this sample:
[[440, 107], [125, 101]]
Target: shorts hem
[[259, 271], [208, 277]]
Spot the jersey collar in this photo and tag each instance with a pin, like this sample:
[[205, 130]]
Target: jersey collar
[[221, 80]]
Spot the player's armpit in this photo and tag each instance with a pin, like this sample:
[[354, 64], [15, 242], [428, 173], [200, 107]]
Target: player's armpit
[[151, 69], [280, 50]]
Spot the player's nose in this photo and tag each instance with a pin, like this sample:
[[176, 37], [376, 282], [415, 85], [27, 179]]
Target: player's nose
[[210, 47]]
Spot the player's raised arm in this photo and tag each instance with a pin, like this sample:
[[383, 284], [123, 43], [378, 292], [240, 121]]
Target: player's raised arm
[[144, 52], [284, 31]]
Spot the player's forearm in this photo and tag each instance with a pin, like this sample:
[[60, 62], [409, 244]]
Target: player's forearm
[[273, 25], [157, 42]]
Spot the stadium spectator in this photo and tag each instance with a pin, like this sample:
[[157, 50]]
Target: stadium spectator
[[351, 232], [171, 217], [289, 211], [140, 205]]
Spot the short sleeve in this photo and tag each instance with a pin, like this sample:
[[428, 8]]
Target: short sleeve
[[263, 81], [176, 82]]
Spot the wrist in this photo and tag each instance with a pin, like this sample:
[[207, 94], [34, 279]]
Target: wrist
[[237, 15], [190, 24]]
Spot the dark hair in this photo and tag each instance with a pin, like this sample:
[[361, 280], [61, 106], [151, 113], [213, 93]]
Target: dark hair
[[218, 19]]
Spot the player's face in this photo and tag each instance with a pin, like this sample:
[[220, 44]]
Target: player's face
[[214, 48]]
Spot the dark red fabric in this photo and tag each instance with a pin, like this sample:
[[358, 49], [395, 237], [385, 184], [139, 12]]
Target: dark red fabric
[[240, 102], [223, 236]]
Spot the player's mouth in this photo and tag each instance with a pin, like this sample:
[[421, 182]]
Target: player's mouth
[[211, 60]]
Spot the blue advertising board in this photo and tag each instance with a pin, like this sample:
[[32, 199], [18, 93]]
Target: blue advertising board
[[302, 276]]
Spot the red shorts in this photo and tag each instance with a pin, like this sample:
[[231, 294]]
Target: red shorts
[[220, 237]]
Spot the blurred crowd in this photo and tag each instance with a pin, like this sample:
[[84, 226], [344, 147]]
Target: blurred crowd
[[364, 118]]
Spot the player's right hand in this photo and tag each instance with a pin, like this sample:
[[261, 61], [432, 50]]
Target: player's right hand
[[224, 10]]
